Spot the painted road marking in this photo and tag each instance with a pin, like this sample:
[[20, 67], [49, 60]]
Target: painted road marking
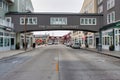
[[57, 67]]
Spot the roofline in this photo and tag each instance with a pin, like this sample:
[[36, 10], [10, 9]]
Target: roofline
[[55, 13]]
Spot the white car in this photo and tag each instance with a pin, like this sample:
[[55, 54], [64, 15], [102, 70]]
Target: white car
[[76, 46]]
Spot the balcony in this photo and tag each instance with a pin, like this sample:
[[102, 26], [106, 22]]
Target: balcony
[[6, 24]]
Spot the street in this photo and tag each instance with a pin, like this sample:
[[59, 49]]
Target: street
[[58, 62]]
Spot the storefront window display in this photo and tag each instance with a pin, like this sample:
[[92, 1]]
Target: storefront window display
[[1, 41], [117, 39], [107, 38]]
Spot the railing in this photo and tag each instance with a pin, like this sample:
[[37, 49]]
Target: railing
[[6, 24]]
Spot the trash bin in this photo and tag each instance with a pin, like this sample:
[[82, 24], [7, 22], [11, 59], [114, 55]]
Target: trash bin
[[99, 47], [33, 45]]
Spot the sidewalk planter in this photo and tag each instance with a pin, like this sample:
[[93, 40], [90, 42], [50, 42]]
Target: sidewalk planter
[[111, 48], [17, 46]]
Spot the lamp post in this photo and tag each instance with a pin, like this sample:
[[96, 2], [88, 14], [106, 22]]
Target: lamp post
[[25, 28]]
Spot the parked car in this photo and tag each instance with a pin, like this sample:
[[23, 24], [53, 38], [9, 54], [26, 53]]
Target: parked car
[[56, 43], [49, 43], [68, 44], [76, 46]]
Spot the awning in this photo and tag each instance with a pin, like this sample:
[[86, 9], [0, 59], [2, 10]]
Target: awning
[[112, 25]]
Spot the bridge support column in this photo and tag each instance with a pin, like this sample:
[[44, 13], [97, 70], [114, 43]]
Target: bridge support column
[[100, 41], [18, 40]]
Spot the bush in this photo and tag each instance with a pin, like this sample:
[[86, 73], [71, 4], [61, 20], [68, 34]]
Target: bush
[[17, 46], [111, 48]]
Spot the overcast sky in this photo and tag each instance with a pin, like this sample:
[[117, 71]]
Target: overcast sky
[[67, 6]]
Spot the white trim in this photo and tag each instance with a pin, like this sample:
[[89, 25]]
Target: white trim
[[110, 17], [89, 21], [34, 20], [8, 18], [110, 4], [58, 21]]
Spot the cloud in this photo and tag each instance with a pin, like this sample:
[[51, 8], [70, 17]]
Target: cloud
[[57, 5]]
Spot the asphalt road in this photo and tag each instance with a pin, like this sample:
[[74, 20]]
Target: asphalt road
[[58, 62]]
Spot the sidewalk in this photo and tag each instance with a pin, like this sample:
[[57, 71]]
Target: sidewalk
[[105, 52], [6, 54]]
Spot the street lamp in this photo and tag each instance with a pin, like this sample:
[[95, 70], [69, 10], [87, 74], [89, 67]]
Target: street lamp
[[25, 28]]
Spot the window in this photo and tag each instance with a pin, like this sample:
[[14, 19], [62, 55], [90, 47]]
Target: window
[[99, 1], [88, 21], [1, 33], [110, 4], [12, 41], [1, 4], [6, 41], [1, 41], [5, 6], [29, 21], [8, 19], [58, 21], [94, 21], [34, 20], [111, 17], [82, 21], [6, 34], [22, 20], [100, 9]]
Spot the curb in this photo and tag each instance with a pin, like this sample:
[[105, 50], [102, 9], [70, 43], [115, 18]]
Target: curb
[[102, 53], [8, 57]]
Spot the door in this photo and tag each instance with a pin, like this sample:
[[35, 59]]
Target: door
[[97, 42], [12, 43], [117, 42]]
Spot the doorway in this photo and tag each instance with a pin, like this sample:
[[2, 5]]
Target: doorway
[[97, 42], [12, 43]]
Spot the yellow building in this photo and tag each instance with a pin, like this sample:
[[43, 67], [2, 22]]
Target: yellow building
[[89, 6]]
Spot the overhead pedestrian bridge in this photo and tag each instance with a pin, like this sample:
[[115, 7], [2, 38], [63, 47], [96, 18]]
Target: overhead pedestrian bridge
[[56, 21]]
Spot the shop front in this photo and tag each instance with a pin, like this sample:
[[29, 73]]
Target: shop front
[[7, 39], [111, 36], [117, 39], [107, 38]]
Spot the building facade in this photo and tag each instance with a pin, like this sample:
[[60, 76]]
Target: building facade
[[8, 38], [87, 39], [41, 39], [89, 6], [7, 34], [22, 6], [111, 29]]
